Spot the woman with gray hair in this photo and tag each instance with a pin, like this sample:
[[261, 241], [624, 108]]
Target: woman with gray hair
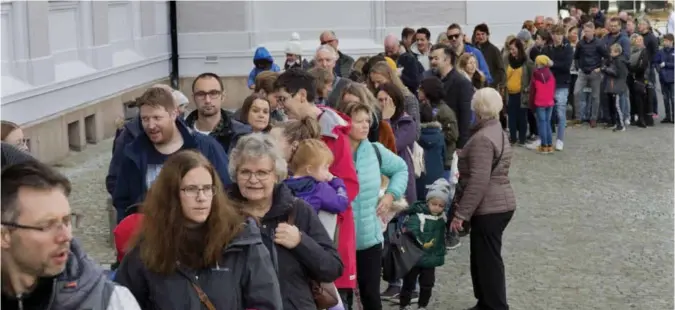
[[485, 197], [300, 246]]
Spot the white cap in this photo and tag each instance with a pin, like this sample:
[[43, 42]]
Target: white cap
[[293, 46]]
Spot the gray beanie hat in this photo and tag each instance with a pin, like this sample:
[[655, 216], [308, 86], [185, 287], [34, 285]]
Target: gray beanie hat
[[11, 155], [524, 35], [439, 189]]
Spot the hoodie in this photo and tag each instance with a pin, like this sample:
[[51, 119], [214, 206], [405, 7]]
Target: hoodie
[[261, 56], [81, 285], [335, 128], [542, 88], [433, 143], [326, 196]]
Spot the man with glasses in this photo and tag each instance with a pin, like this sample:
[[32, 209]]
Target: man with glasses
[[344, 63], [457, 44], [210, 118], [42, 266], [163, 135]]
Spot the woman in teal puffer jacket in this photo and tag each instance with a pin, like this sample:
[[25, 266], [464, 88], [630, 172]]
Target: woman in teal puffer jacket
[[366, 206]]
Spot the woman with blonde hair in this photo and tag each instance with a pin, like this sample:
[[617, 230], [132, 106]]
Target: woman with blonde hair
[[468, 65], [485, 197], [193, 244], [380, 130], [380, 74]]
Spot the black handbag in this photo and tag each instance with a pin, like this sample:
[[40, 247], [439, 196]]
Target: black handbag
[[401, 253]]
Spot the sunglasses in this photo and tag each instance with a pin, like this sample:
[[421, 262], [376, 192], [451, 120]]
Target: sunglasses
[[453, 36]]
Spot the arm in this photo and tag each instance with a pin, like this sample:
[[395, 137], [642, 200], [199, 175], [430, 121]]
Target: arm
[[669, 62], [393, 167], [412, 107], [251, 78], [315, 250], [260, 285], [122, 195], [499, 77], [333, 196], [406, 134], [343, 166], [131, 275], [115, 163], [480, 158], [564, 64], [610, 70], [482, 65], [465, 96], [532, 92]]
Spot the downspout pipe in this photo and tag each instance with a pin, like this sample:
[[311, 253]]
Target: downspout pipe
[[173, 24]]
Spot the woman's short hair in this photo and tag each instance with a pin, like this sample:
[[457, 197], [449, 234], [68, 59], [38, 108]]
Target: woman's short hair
[[385, 70], [265, 81], [487, 103], [164, 215], [6, 128], [248, 103], [360, 91], [433, 89], [396, 96], [255, 146]]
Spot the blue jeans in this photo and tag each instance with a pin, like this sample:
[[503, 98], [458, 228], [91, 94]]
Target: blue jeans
[[561, 95], [624, 104], [517, 119], [544, 124]]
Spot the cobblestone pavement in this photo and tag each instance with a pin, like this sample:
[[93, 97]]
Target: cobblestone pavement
[[593, 228]]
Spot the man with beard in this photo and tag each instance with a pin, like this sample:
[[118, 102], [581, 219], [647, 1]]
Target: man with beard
[[492, 55], [42, 266], [456, 38], [163, 135], [210, 118]]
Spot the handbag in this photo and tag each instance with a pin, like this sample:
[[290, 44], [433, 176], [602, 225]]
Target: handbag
[[203, 298], [325, 294], [400, 254]]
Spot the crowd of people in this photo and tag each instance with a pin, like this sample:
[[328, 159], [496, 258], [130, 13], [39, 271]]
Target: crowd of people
[[296, 200]]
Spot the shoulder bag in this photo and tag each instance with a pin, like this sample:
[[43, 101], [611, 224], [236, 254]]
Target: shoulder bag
[[203, 298]]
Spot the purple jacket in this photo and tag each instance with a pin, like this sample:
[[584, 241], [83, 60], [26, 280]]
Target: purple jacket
[[405, 131], [327, 196]]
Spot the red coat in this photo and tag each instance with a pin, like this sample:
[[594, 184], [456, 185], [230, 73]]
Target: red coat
[[335, 129], [124, 231], [542, 88]]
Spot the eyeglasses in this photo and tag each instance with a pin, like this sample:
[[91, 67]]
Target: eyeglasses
[[453, 36], [194, 190], [52, 227], [281, 99], [261, 175], [214, 94]]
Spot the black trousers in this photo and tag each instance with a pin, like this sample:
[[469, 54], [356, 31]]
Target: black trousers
[[427, 278], [532, 122], [368, 271], [487, 266]]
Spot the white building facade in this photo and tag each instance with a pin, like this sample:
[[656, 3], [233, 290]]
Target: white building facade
[[67, 66]]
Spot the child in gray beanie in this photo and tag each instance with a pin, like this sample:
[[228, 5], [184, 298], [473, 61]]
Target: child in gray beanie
[[426, 221]]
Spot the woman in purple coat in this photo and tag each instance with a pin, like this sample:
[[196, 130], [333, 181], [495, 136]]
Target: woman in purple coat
[[392, 103]]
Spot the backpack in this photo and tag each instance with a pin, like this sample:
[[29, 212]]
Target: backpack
[[417, 156]]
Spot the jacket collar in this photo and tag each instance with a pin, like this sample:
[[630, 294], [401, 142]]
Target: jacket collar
[[483, 123], [222, 126], [282, 200], [79, 277]]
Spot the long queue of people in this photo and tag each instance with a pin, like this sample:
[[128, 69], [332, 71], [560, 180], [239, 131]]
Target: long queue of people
[[277, 205]]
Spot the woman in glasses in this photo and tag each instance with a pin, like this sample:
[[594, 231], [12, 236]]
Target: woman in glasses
[[301, 248], [194, 245], [12, 134]]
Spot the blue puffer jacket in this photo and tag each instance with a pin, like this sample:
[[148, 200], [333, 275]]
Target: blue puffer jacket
[[368, 229], [667, 57]]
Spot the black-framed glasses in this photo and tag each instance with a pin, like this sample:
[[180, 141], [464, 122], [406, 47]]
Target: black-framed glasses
[[281, 99], [261, 175], [53, 226], [194, 190], [213, 94]]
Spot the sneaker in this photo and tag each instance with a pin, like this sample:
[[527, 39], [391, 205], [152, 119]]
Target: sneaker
[[532, 138], [655, 115], [666, 121], [627, 121], [619, 128], [414, 297], [391, 293], [452, 241], [533, 145], [559, 145]]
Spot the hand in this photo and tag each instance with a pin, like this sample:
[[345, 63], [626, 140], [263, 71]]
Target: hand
[[596, 70], [459, 151], [429, 244], [663, 64], [287, 235], [385, 204], [388, 109], [456, 225], [399, 71]]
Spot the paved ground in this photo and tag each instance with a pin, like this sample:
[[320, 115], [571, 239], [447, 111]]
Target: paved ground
[[593, 229]]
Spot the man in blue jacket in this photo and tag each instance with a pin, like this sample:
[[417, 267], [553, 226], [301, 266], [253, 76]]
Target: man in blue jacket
[[163, 135], [457, 43], [589, 57]]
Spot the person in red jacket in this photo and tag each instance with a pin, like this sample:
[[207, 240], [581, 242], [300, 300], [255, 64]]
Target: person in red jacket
[[542, 99], [296, 91]]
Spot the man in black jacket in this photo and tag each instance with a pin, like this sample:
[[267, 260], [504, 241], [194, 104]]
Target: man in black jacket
[[492, 55], [652, 47], [458, 89], [589, 56], [561, 53]]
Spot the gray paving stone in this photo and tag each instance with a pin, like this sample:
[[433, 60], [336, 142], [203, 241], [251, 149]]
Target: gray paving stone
[[593, 228]]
